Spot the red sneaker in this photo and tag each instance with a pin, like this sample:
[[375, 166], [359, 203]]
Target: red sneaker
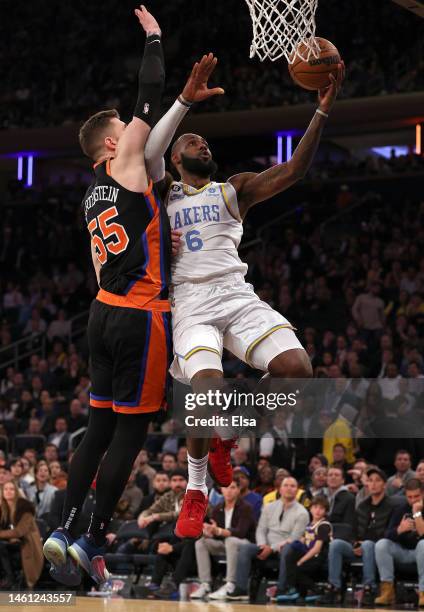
[[219, 465], [192, 515]]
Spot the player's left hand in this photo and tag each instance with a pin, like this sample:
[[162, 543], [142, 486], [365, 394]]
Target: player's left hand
[[176, 241], [196, 89], [327, 96]]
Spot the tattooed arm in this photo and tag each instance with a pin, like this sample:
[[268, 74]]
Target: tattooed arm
[[253, 188]]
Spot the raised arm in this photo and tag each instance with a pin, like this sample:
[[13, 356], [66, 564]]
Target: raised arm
[[128, 166], [195, 90], [253, 188]]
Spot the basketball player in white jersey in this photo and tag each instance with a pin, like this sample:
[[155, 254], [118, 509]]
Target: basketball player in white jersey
[[212, 305]]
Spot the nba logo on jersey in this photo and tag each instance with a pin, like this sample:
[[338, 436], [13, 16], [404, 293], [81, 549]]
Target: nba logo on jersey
[[146, 108]]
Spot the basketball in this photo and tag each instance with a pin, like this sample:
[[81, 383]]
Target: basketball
[[314, 74]]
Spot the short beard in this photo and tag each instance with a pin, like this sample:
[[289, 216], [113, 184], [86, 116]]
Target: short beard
[[198, 167]]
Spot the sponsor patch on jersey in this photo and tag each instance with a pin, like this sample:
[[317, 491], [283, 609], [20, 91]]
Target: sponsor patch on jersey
[[176, 196]]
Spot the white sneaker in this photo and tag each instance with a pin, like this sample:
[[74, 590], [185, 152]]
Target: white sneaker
[[223, 591], [203, 590]]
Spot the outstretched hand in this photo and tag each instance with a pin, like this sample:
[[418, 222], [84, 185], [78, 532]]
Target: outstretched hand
[[147, 21], [196, 89], [327, 96]]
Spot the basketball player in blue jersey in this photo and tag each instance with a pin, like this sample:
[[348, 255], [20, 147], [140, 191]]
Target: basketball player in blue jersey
[[129, 331], [212, 305]]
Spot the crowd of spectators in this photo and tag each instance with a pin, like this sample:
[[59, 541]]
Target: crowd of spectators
[[356, 297], [93, 55]]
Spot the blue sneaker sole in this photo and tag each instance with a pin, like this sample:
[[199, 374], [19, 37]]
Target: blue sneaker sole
[[62, 568], [287, 598], [94, 568]]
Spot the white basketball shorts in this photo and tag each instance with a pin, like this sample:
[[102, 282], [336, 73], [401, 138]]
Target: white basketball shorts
[[225, 313]]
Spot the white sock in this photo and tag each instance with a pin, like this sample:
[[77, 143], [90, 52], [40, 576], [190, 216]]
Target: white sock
[[197, 474]]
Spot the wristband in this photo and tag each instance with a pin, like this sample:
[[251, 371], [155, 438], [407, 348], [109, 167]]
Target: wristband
[[417, 515], [320, 112], [184, 102]]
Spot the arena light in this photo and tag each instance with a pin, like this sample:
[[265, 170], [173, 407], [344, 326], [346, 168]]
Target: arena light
[[284, 146], [30, 170], [418, 145], [20, 167]]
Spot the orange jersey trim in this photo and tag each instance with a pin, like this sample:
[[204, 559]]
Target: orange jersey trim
[[101, 403], [133, 300]]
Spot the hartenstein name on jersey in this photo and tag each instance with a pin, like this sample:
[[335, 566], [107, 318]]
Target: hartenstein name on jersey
[[106, 193]]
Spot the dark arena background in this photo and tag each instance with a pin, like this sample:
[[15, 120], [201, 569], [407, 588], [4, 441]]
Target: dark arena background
[[339, 254]]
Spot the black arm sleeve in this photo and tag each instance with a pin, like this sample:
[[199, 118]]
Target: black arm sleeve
[[151, 81]]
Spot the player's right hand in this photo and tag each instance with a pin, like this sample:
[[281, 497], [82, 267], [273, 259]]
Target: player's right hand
[[176, 241], [196, 89], [147, 21]]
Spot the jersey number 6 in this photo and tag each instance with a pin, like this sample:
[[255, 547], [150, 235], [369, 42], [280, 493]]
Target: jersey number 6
[[193, 242], [120, 238]]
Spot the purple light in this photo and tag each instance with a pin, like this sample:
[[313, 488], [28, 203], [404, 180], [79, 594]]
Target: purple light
[[289, 145], [20, 167], [279, 149], [284, 138], [30, 171]]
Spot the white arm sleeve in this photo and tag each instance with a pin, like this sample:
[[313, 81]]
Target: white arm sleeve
[[160, 139]]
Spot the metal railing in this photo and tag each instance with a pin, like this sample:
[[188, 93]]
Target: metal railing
[[36, 344]]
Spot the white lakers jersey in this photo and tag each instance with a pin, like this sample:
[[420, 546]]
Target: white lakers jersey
[[211, 227]]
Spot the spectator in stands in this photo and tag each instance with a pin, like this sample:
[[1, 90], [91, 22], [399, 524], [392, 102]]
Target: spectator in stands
[[404, 543], [232, 524], [60, 327], [19, 530], [318, 484], [169, 463], [60, 437], [48, 417], [254, 499], [404, 472], [145, 473], [51, 453], [265, 485], [368, 312], [41, 493], [4, 475], [27, 475], [16, 472], [280, 474], [34, 427], [182, 460], [307, 556], [419, 472], [276, 443], [76, 418], [316, 461], [359, 484], [280, 523], [337, 430], [167, 507], [371, 520], [342, 504], [59, 477], [130, 500], [178, 555], [240, 457], [161, 484], [339, 458]]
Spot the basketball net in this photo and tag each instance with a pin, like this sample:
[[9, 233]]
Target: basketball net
[[279, 26]]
